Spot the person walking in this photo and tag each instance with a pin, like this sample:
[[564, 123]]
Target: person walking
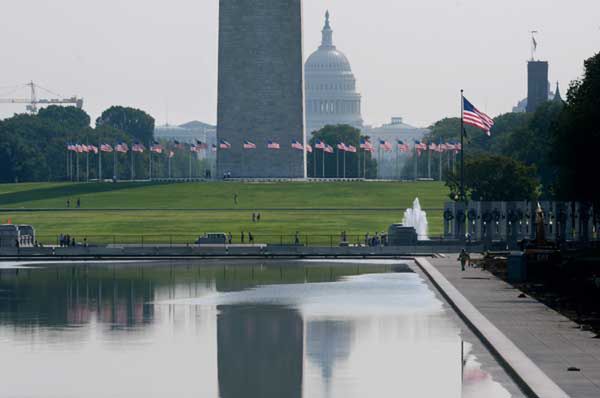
[[250, 238], [235, 198], [78, 203], [242, 237], [297, 239], [464, 259], [253, 217], [230, 238], [257, 217], [68, 203]]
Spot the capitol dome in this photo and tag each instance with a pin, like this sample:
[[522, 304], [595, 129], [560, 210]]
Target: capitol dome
[[331, 96]]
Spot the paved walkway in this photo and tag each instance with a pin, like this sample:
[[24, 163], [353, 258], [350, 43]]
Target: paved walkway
[[550, 340]]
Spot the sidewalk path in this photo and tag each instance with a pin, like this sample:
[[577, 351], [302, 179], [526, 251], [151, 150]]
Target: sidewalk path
[[550, 340]]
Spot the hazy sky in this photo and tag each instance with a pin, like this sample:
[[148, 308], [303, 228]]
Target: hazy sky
[[410, 57]]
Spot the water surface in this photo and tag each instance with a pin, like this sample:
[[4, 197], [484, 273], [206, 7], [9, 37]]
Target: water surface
[[271, 330]]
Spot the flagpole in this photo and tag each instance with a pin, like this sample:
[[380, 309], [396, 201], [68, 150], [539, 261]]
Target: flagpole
[[132, 164], [365, 164], [344, 164], [87, 165], [150, 162], [323, 162], [429, 163], [397, 156], [337, 163], [190, 165], [115, 164], [315, 162], [462, 137], [416, 163], [441, 154], [99, 161]]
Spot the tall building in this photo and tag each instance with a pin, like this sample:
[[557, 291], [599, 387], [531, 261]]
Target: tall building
[[537, 84], [260, 89], [331, 96]]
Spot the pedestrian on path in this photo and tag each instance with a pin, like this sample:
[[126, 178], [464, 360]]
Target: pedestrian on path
[[235, 198], [250, 238], [253, 217], [464, 259], [242, 237], [78, 203]]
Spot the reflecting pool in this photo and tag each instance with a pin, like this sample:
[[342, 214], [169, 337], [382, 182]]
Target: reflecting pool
[[303, 329]]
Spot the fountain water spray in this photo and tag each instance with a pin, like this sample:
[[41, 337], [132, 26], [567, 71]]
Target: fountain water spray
[[417, 219]]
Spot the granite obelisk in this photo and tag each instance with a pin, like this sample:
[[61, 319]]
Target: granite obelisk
[[261, 95]]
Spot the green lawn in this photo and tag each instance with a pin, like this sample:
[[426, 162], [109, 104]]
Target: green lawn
[[173, 220]]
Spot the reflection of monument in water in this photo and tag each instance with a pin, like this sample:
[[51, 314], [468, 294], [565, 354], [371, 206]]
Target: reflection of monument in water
[[260, 351], [328, 342]]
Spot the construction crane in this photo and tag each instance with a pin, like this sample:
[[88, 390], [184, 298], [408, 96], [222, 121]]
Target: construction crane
[[33, 102]]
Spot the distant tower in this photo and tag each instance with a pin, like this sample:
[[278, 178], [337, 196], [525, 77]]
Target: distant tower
[[557, 96], [260, 93], [538, 87], [537, 84], [331, 96]]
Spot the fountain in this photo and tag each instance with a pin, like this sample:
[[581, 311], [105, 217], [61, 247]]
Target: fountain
[[417, 219]]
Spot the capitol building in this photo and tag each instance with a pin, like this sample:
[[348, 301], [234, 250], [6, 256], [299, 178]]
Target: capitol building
[[330, 87]]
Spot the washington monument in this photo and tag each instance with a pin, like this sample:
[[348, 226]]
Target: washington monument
[[261, 95]]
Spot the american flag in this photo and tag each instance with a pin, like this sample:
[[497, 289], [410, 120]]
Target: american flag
[[194, 148], [473, 117], [272, 145], [329, 149], [386, 146], [420, 147], [213, 148], [249, 145], [85, 148], [366, 145], [224, 145], [93, 148], [433, 147], [137, 147], [443, 147], [178, 144], [201, 145], [309, 148], [297, 145], [342, 147], [320, 144], [403, 147], [156, 148], [171, 154], [79, 148], [122, 147], [106, 148], [351, 149]]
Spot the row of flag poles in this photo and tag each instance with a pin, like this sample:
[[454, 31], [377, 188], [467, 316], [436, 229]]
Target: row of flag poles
[[470, 115], [155, 148]]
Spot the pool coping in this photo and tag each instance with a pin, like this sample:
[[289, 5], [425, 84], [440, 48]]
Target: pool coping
[[524, 371]]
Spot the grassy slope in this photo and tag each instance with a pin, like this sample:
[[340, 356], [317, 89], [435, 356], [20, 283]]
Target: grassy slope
[[217, 195]]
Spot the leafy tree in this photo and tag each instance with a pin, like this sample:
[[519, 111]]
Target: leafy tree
[[334, 135], [68, 117], [135, 122], [495, 178], [577, 138], [532, 143]]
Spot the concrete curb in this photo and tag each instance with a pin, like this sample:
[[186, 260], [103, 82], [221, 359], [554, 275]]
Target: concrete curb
[[525, 372]]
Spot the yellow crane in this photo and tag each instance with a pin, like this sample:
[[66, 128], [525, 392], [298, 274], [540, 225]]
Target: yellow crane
[[33, 102]]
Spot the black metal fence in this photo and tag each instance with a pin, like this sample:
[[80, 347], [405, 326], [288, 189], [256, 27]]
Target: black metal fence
[[172, 240]]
